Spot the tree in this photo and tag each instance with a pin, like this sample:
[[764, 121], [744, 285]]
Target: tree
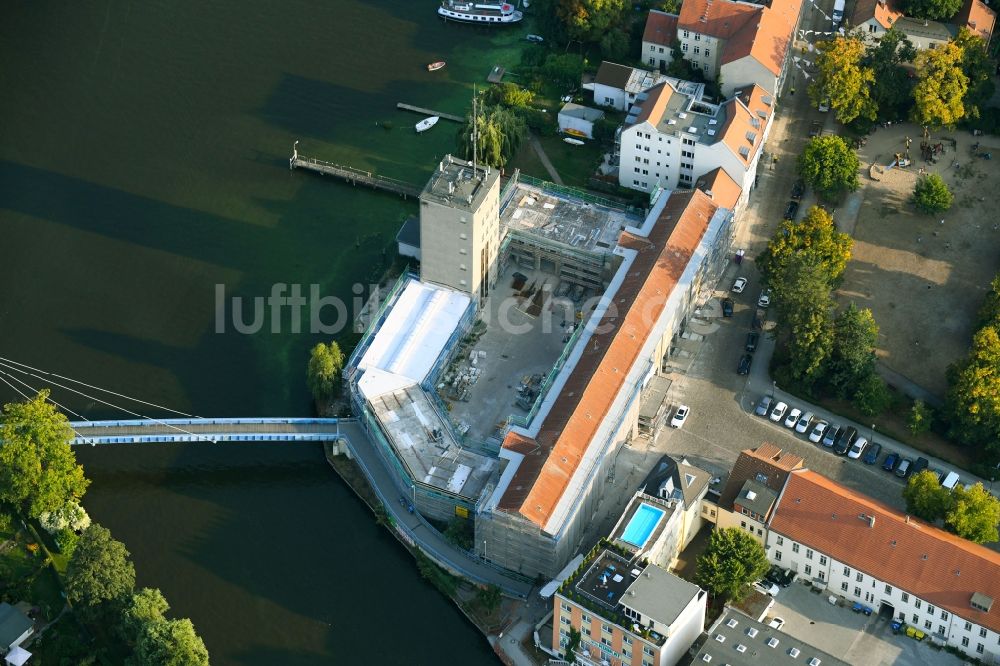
[[815, 238], [920, 418], [733, 560], [974, 514], [563, 69], [571, 645], [932, 9], [614, 44], [508, 94], [326, 363], [147, 606], [871, 397], [829, 165], [588, 20], [100, 570], [459, 532], [989, 311], [670, 6], [892, 88], [976, 65], [170, 643], [853, 356], [925, 498], [973, 399], [804, 306], [931, 195], [490, 597], [844, 79], [941, 86], [38, 469], [499, 135]]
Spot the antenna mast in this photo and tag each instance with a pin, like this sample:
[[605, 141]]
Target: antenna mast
[[475, 124]]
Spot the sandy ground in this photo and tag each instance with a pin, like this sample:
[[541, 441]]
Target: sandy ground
[[924, 280]]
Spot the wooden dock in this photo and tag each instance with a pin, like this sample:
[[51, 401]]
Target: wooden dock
[[430, 112], [353, 176]]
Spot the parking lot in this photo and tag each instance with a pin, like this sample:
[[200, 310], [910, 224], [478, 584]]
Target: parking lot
[[853, 637]]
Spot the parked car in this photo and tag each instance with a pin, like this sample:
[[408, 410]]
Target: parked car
[[776, 623], [680, 416], [775, 574], [804, 422], [920, 465], [950, 481], [739, 285], [857, 448], [759, 318], [891, 461], [764, 587], [830, 436], [787, 578], [745, 362], [764, 405], [871, 455], [752, 339], [859, 607], [793, 417], [779, 412], [815, 128], [765, 299], [844, 440], [903, 470], [817, 432], [727, 307], [791, 209], [798, 189], [824, 106]]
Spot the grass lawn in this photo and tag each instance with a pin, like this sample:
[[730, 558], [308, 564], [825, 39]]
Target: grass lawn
[[575, 164]]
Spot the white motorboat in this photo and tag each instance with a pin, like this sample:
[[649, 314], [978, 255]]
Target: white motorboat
[[573, 142], [427, 123], [466, 11]]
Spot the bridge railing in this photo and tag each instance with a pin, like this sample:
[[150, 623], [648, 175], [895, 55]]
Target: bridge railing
[[153, 423]]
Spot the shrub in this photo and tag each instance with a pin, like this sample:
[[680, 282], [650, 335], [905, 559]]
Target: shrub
[[931, 195], [920, 417]]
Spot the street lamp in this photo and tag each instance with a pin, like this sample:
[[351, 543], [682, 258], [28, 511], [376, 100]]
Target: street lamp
[[774, 387]]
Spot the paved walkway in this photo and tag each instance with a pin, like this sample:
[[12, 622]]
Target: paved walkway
[[536, 145], [412, 527]]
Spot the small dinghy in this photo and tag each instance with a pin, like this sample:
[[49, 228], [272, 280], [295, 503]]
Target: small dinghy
[[435, 66], [573, 142], [428, 123]]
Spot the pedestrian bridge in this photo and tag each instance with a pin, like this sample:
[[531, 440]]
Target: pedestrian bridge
[[210, 431]]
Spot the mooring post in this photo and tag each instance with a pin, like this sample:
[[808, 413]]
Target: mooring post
[[295, 155]]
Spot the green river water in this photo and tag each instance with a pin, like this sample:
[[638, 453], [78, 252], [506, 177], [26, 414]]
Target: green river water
[[143, 161]]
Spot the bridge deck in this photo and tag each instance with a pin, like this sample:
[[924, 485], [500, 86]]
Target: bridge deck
[[190, 430]]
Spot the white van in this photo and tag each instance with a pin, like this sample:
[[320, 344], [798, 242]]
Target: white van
[[838, 12], [950, 480]]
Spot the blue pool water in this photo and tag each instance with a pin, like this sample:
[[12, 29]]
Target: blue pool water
[[643, 522]]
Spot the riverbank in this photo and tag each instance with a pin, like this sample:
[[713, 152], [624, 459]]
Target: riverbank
[[481, 606]]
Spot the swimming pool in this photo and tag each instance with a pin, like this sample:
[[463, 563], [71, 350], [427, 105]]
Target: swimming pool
[[644, 521]]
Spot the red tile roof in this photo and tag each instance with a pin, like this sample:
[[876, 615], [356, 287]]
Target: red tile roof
[[768, 38], [718, 18], [600, 373], [661, 28], [979, 18], [941, 568], [655, 104], [768, 460], [724, 190], [744, 119], [884, 13]]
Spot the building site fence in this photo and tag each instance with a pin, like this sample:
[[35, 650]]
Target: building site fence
[[579, 195]]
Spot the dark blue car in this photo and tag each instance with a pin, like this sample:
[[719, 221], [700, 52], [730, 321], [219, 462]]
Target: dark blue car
[[891, 461], [871, 455]]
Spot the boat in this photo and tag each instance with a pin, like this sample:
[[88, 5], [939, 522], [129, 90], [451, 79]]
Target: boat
[[577, 133], [465, 11], [427, 123], [435, 66], [573, 142], [535, 39]]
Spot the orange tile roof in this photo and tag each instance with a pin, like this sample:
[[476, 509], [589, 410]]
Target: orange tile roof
[[979, 18], [941, 568], [612, 351], [743, 120], [884, 13], [724, 190], [661, 28], [766, 459], [767, 39], [718, 18], [655, 103]]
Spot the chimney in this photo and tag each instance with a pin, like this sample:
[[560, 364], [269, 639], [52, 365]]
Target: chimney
[[907, 519], [871, 521]]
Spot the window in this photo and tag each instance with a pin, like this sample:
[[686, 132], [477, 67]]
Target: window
[[635, 182], [645, 172], [982, 632], [930, 609], [585, 631], [605, 628], [860, 577], [965, 641], [847, 571], [637, 169], [652, 48], [647, 650], [888, 589], [843, 586], [606, 641], [822, 575], [857, 591], [708, 52], [697, 50], [684, 47], [697, 37], [743, 524], [626, 640], [968, 626], [781, 541], [564, 620], [809, 569], [777, 556], [917, 603], [927, 625], [686, 34], [809, 553], [916, 619], [822, 559], [585, 617], [626, 652], [941, 629], [565, 606], [906, 597], [944, 615], [795, 547], [979, 648], [661, 49], [705, 67]]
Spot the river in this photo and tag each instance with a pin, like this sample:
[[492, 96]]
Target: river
[[143, 162]]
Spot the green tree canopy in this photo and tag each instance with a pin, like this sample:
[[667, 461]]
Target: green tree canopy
[[920, 418], [589, 20], [508, 94], [170, 643], [805, 309], [892, 89], [144, 607], [853, 357], [829, 165], [500, 132], [932, 9], [843, 79], [871, 396], [974, 514], [815, 238], [978, 68], [941, 86], [326, 363], [925, 498], [490, 597], [989, 311], [38, 469], [563, 69], [973, 399], [732, 560], [100, 569], [931, 195]]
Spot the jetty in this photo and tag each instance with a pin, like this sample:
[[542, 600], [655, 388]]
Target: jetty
[[352, 175], [430, 112]]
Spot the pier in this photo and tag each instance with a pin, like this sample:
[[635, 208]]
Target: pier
[[351, 175], [430, 112]]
